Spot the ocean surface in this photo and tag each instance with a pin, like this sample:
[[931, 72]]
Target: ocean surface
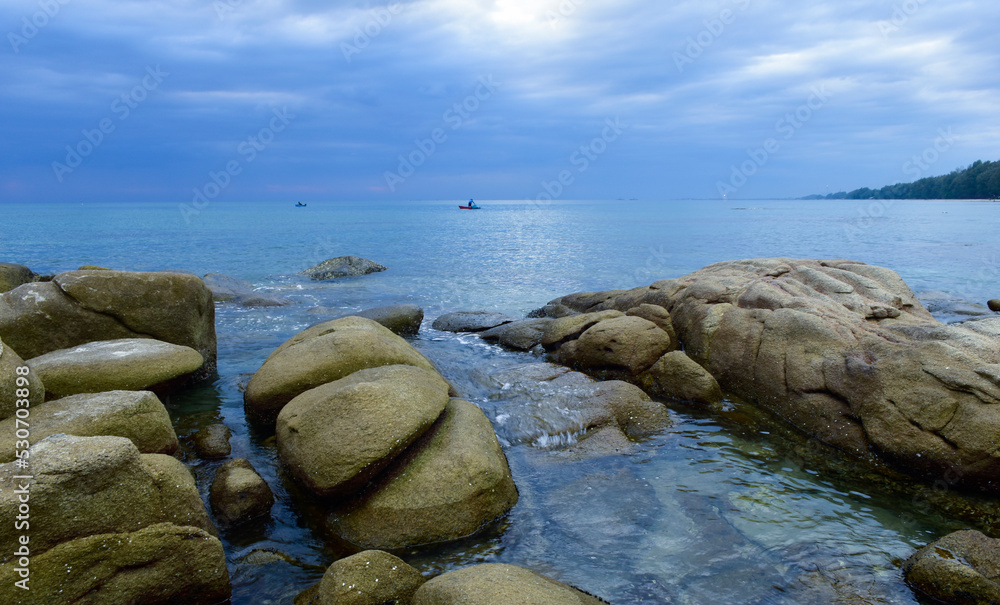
[[714, 510]]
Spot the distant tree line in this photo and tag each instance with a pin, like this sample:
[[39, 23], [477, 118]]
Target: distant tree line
[[981, 180]]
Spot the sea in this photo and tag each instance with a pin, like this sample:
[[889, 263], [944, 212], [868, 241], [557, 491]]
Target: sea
[[718, 508]]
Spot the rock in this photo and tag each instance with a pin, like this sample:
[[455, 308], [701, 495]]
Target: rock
[[11, 388], [212, 442], [238, 494], [571, 327], [136, 415], [161, 564], [97, 485], [321, 354], [493, 583], [994, 305], [12, 276], [659, 316], [343, 266], [403, 320], [449, 484], [545, 404], [962, 567], [521, 335], [129, 364], [583, 302], [225, 288], [607, 440], [612, 346], [371, 577], [262, 299], [337, 437], [470, 321], [83, 306], [677, 376], [846, 353], [93, 268]]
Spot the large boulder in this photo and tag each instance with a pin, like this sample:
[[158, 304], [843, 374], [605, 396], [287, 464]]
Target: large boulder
[[136, 415], [449, 484], [615, 347], [162, 564], [78, 307], [404, 320], [129, 364], [470, 321], [337, 437], [12, 276], [521, 335], [570, 327], [16, 380], [962, 567], [96, 485], [844, 351], [238, 494], [677, 376], [343, 266], [321, 354], [493, 583], [371, 577]]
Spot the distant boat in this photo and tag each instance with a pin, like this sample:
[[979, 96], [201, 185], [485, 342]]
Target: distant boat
[[472, 206], [300, 205]]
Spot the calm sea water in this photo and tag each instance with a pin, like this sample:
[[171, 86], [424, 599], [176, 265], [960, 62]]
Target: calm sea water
[[712, 510]]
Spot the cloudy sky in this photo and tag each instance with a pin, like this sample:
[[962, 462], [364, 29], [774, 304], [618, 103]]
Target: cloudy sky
[[166, 100]]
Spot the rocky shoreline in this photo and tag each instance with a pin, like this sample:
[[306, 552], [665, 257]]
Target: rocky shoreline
[[393, 457]]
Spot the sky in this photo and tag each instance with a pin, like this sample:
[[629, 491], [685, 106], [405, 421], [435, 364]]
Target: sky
[[282, 100]]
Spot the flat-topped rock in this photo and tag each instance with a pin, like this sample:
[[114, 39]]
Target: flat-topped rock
[[137, 415], [343, 266], [470, 321], [522, 335], [129, 364], [78, 307]]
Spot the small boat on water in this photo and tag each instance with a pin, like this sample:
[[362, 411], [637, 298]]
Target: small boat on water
[[300, 205], [472, 206]]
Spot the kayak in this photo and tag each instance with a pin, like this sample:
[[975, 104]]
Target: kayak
[[470, 207]]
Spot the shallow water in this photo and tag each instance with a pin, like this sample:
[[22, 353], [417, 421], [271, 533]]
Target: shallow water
[[713, 509]]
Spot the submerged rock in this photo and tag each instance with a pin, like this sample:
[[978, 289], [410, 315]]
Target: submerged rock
[[238, 494], [343, 266], [371, 577], [129, 364], [136, 415], [470, 321], [449, 484], [493, 583], [212, 442], [321, 354], [10, 361], [84, 306], [337, 437], [225, 288], [962, 567]]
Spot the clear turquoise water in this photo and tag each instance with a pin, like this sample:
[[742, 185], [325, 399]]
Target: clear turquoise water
[[708, 511]]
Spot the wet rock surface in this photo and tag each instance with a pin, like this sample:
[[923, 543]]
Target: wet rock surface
[[343, 266]]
